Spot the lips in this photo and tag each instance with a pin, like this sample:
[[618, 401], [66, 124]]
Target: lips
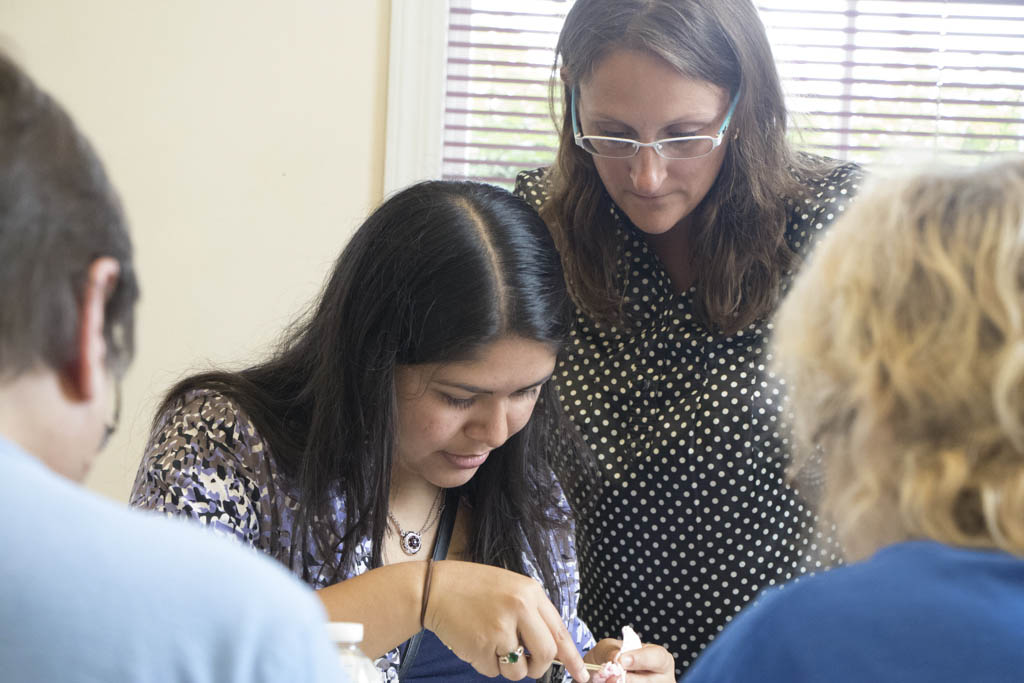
[[648, 201], [467, 462]]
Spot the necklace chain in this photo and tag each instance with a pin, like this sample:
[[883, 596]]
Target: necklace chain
[[412, 541]]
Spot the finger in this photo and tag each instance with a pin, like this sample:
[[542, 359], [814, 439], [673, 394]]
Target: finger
[[649, 658], [565, 648], [604, 651], [484, 661], [512, 662], [540, 643], [487, 666]]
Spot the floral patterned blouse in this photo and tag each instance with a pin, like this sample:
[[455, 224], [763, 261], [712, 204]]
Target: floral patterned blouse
[[205, 460]]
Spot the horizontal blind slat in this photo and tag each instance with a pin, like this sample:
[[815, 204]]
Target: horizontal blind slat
[[494, 46], [493, 129], [463, 160], [915, 117], [491, 79], [897, 50], [499, 29], [854, 14], [529, 115], [908, 100], [910, 133], [510, 13], [928, 84], [894, 65], [481, 145], [497, 96], [875, 148], [474, 62]]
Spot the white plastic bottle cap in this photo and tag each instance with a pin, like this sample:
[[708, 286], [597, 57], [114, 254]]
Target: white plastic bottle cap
[[345, 631]]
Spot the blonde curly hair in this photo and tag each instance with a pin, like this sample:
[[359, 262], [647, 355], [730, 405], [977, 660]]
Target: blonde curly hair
[[902, 342]]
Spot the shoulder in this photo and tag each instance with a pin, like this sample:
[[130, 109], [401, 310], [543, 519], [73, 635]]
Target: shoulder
[[206, 461], [825, 181], [823, 608], [100, 577], [767, 640], [533, 186], [826, 187], [206, 410], [247, 576], [254, 615], [205, 425], [933, 598]]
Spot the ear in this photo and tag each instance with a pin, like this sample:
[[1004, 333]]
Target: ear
[[563, 73], [86, 375]]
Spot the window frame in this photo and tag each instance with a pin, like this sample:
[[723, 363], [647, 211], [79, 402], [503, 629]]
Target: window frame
[[416, 92]]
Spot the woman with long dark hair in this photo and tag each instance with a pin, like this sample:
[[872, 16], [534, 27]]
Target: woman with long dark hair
[[680, 209], [406, 418]]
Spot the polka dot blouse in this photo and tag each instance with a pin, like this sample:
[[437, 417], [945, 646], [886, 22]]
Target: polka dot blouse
[[694, 515]]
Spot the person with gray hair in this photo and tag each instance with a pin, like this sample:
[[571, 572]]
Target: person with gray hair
[[90, 590]]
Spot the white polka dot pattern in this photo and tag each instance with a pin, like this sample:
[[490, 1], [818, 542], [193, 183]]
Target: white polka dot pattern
[[694, 515]]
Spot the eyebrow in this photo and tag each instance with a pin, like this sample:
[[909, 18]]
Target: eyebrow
[[694, 122], [480, 390]]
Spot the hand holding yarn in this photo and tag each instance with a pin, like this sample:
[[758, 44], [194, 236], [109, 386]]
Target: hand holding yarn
[[631, 660]]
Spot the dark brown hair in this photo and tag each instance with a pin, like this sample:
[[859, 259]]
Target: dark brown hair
[[58, 214], [739, 251], [437, 272]]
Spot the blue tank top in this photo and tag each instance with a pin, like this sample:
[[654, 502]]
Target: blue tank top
[[435, 663]]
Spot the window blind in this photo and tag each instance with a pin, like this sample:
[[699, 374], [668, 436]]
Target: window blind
[[497, 118], [868, 80]]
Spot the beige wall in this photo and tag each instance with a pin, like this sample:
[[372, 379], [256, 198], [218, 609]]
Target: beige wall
[[246, 138]]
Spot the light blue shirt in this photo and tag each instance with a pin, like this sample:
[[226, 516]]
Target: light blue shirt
[[93, 591]]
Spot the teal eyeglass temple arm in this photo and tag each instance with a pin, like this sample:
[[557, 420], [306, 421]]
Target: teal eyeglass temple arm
[[728, 114]]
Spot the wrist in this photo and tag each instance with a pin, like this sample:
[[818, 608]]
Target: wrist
[[425, 593], [434, 600]]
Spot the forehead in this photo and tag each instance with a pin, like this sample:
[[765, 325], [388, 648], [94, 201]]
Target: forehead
[[631, 85], [508, 363]]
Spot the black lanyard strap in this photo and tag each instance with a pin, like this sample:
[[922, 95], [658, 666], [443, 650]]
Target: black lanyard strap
[[444, 536]]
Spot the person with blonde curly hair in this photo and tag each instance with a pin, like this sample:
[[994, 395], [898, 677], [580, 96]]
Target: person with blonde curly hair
[[902, 342]]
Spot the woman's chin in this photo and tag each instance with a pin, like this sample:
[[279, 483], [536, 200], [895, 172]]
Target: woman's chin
[[655, 222]]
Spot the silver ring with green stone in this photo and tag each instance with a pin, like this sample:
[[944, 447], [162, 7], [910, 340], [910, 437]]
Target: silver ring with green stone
[[512, 657]]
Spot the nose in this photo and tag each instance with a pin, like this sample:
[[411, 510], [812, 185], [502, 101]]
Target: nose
[[647, 171], [490, 425]]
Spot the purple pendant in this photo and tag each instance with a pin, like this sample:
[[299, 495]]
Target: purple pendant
[[411, 542]]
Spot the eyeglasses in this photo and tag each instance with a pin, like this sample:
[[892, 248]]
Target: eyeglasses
[[687, 147]]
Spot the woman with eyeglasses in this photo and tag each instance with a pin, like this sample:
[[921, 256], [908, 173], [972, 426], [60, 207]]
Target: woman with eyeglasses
[[394, 451], [680, 211]]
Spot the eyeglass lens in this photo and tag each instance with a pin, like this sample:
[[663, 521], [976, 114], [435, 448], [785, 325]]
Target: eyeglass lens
[[672, 149]]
